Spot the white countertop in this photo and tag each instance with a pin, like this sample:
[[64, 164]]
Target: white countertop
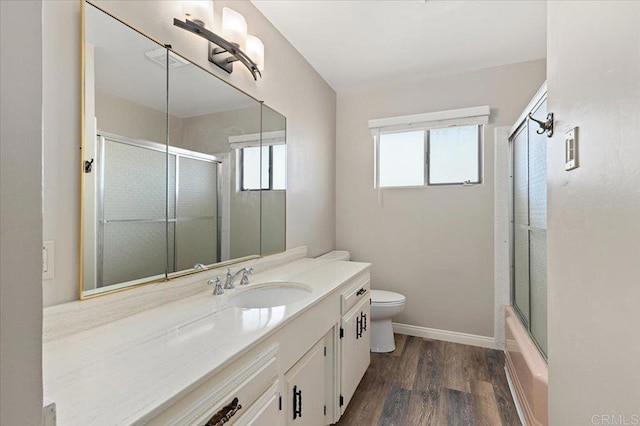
[[129, 370]]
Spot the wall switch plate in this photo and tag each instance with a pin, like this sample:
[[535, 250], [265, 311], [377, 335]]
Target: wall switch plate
[[48, 260], [571, 149]]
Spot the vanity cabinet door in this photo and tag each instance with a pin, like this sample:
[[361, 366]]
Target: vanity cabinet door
[[354, 349], [304, 394]]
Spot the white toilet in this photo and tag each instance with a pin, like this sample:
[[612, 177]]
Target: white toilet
[[336, 255], [384, 306]]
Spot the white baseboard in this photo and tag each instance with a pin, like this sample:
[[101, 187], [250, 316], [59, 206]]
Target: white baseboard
[[514, 395], [447, 336]]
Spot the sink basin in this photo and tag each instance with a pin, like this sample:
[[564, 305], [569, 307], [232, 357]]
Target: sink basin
[[268, 295]]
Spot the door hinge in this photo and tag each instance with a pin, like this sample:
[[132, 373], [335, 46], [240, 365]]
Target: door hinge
[[341, 400], [341, 332], [280, 402], [325, 410], [325, 351]]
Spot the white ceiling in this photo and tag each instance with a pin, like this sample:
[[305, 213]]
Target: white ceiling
[[357, 44]]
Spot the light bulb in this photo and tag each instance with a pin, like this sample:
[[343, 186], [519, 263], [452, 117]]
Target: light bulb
[[234, 28], [255, 50], [198, 11]]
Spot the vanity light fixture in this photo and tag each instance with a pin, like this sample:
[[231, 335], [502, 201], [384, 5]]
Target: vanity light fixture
[[234, 28], [231, 46], [198, 11], [255, 50]]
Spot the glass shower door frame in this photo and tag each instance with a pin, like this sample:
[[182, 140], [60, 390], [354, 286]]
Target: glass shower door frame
[[523, 127], [527, 320], [102, 137]]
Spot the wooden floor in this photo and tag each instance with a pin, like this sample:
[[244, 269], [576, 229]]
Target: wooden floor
[[428, 382]]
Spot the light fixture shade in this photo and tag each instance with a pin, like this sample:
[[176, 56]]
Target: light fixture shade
[[234, 27], [198, 11], [255, 50]]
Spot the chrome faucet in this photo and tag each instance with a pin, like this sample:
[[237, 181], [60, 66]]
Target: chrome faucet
[[231, 277], [218, 287]]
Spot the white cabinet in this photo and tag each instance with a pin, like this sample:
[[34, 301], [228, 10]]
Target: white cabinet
[[305, 374], [304, 394], [265, 411], [354, 350], [241, 391]]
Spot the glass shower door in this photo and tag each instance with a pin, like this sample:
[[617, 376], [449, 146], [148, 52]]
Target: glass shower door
[[131, 242], [196, 213], [529, 151]]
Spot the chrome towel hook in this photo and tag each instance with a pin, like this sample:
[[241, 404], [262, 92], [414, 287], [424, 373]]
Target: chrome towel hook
[[545, 126]]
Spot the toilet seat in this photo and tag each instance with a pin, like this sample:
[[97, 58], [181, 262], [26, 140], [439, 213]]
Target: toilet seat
[[387, 298]]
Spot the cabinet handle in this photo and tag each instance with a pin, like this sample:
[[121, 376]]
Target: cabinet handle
[[358, 327], [297, 403], [225, 413], [363, 321], [361, 291]]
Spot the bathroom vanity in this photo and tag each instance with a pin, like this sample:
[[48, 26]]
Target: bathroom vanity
[[202, 357]]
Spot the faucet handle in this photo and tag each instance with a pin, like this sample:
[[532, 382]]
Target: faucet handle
[[245, 276], [218, 289]]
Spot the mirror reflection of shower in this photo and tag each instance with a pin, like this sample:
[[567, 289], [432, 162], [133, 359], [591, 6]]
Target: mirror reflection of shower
[[131, 209]]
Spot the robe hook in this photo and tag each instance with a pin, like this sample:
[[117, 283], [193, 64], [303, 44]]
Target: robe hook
[[545, 126]]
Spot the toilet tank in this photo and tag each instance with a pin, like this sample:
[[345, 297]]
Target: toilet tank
[[336, 255]]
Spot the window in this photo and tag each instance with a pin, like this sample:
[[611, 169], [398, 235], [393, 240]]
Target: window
[[441, 148], [402, 159], [451, 156], [263, 167], [454, 155]]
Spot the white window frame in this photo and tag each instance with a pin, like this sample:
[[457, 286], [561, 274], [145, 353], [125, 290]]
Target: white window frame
[[474, 116]]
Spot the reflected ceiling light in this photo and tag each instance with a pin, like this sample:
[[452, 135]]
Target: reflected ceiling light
[[198, 11], [230, 47]]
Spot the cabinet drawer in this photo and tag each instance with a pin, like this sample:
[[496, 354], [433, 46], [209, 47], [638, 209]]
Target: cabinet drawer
[[246, 380], [265, 411], [359, 290]]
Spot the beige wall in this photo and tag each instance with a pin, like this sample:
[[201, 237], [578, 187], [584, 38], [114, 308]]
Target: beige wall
[[210, 133], [290, 86], [594, 211], [21, 213], [61, 142], [434, 244], [123, 117]]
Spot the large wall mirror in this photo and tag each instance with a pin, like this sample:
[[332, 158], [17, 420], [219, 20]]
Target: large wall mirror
[[181, 171]]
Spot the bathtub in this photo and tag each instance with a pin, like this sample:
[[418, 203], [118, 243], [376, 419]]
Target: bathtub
[[527, 371]]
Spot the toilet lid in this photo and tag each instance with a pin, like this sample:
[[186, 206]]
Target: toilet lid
[[383, 296]]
